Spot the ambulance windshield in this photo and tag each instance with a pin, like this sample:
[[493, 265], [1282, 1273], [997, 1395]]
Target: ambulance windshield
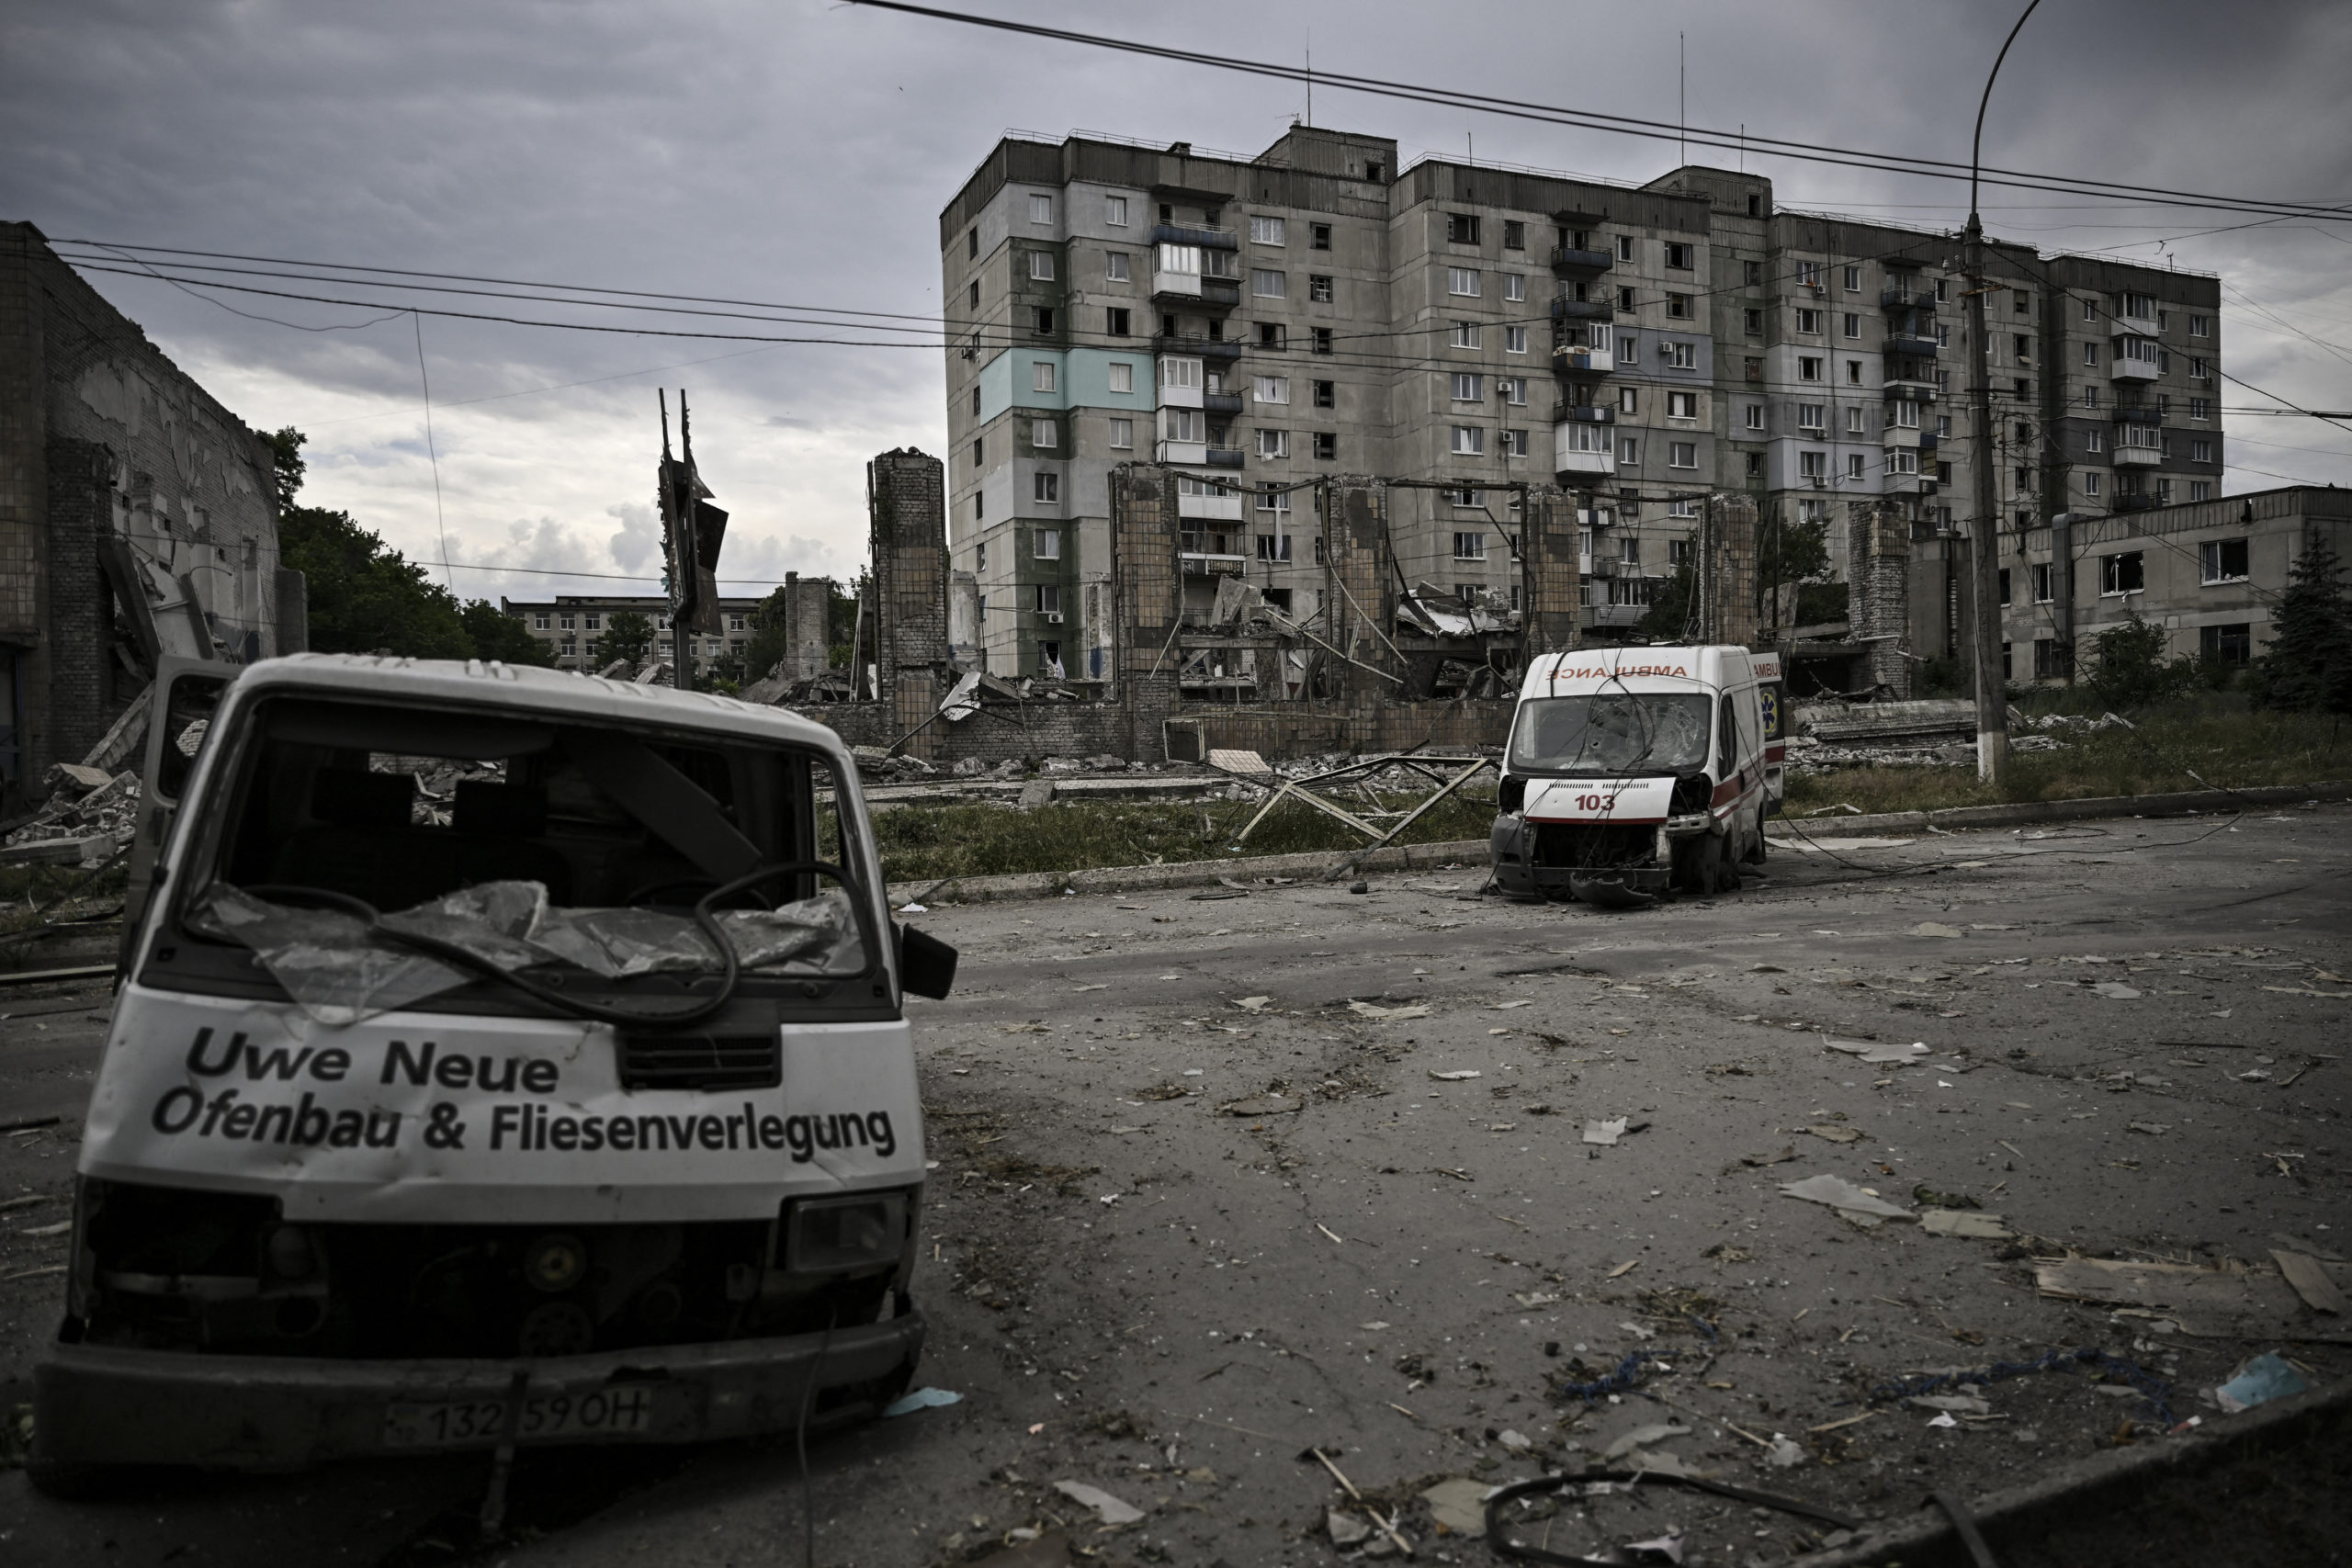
[[1611, 733]]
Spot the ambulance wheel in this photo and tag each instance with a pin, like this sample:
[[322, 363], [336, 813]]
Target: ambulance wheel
[[1762, 849]]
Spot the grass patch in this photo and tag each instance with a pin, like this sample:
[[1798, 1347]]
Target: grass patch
[[922, 843], [2209, 742], [27, 889]]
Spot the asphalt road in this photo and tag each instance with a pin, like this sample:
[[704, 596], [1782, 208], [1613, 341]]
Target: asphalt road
[[1143, 1276]]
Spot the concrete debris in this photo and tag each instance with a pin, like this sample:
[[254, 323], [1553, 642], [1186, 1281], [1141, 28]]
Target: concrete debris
[[1785, 1453], [1876, 1054], [1344, 1529], [1957, 1222], [1036, 792], [1952, 1403], [80, 821], [1459, 1505], [1835, 1133], [1377, 1013], [2258, 1381], [1840, 1193], [1604, 1133], [1260, 1105], [2311, 1281], [1107, 1508], [1933, 928], [1643, 1436]]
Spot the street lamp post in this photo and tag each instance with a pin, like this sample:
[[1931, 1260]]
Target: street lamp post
[[1984, 526]]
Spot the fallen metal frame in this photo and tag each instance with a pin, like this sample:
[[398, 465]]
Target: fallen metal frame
[[1427, 766]]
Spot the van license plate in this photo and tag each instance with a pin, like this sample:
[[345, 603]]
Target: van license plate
[[472, 1423]]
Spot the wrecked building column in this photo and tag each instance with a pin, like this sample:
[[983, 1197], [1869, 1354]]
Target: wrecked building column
[[1148, 589], [910, 546], [1878, 579], [1360, 574], [808, 609], [1550, 575], [1728, 569]]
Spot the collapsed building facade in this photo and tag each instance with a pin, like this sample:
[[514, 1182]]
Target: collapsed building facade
[[137, 521]]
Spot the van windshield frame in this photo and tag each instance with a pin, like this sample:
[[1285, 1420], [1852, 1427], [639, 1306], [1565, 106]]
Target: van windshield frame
[[1616, 733]]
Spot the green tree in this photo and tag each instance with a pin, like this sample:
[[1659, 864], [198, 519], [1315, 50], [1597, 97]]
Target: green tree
[[627, 634], [2128, 668], [2309, 666], [497, 635], [286, 453]]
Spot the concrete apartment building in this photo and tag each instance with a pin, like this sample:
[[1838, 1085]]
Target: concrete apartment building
[[1316, 310], [571, 625], [138, 520]]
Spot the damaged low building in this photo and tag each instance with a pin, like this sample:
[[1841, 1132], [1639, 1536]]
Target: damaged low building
[[137, 521]]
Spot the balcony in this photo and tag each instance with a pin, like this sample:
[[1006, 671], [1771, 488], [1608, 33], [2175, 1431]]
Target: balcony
[[2126, 366], [2134, 414], [1566, 310], [2137, 457], [1566, 263], [1209, 508], [1909, 484], [1907, 437], [1906, 300], [1901, 389], [1225, 456], [1910, 347], [1582, 413], [1192, 452], [1208, 239], [1222, 403], [2134, 503], [2132, 326], [1203, 347], [1207, 563], [1570, 463], [1617, 615], [1191, 291], [1569, 359]]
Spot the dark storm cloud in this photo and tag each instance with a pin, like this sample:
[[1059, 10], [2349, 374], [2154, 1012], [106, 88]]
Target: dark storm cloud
[[799, 152]]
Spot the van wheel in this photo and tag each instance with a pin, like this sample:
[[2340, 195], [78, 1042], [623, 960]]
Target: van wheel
[[1701, 864], [1762, 849]]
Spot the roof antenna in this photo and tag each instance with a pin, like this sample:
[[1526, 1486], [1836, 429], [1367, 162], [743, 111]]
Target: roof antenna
[[1310, 76], [1681, 94]]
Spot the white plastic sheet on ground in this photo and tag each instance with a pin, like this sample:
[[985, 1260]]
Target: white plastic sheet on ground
[[339, 972]]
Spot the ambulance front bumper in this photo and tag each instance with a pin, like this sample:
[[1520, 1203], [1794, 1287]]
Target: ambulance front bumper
[[108, 1405]]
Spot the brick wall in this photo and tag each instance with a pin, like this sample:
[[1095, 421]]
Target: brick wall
[[1551, 576], [1878, 580], [83, 694], [908, 492], [1359, 570], [1148, 595], [1728, 569]]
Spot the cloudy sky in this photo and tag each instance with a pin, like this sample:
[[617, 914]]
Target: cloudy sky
[[798, 153]]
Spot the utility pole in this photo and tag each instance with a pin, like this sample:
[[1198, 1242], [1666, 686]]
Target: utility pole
[[1985, 526]]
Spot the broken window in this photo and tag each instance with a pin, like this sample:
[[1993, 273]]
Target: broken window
[[2232, 644], [1461, 228], [2124, 572], [2222, 561], [1610, 734]]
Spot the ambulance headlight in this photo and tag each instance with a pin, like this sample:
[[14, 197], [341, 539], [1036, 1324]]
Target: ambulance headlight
[[825, 1236]]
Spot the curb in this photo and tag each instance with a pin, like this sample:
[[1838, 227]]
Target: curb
[[1308, 867], [2027, 812], [2103, 1483]]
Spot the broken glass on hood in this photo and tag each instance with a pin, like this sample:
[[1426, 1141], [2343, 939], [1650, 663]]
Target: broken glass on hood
[[340, 970]]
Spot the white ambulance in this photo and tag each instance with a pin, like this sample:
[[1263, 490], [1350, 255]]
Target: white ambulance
[[502, 1057], [1632, 770]]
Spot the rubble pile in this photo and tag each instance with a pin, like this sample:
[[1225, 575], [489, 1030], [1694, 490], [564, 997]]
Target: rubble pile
[[88, 815]]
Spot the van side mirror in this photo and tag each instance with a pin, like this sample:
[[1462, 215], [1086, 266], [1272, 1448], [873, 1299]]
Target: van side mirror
[[926, 964]]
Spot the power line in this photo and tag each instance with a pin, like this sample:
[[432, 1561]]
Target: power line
[[1629, 125]]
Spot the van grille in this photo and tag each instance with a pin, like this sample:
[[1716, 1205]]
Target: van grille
[[1594, 847], [701, 1061]]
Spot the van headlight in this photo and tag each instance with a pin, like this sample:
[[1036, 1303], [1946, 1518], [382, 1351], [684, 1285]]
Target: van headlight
[[1689, 824], [831, 1235]]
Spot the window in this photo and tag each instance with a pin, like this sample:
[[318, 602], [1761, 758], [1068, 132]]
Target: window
[[2122, 573], [2222, 561], [1943, 427], [1041, 320], [1048, 544], [2200, 451], [1319, 288], [1115, 265], [1813, 465], [594, 620], [2164, 492], [1123, 435], [1462, 280], [1469, 546], [1514, 235], [1682, 355], [1514, 443], [1808, 368], [1906, 415], [972, 242], [1625, 247], [1041, 266], [1752, 322], [1323, 397], [1753, 368], [1318, 236], [1273, 546], [1270, 389], [979, 510], [2090, 396], [1049, 489], [1629, 450], [2227, 645], [2023, 346], [1272, 335], [1465, 335], [1853, 465], [1681, 405], [1469, 441], [1327, 445], [1511, 389], [1183, 424], [1808, 321], [2090, 484], [2200, 490], [1041, 209], [1809, 274], [1042, 433], [1374, 170], [1853, 324], [1901, 460], [1180, 372], [1461, 228], [1681, 453], [975, 296], [1265, 230], [1274, 442], [1321, 337], [1853, 372], [1679, 307], [1752, 416], [539, 621], [979, 452], [1754, 465], [1114, 211], [1265, 283], [2140, 305], [1629, 348], [2201, 408], [2090, 356], [1178, 258], [1466, 388], [2199, 371], [1629, 400], [2023, 302], [2200, 326], [1464, 495], [1048, 596], [1122, 374], [1041, 376], [1812, 417], [1853, 281], [2095, 441], [1677, 256]]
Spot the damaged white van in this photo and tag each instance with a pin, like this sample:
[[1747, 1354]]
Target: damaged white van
[[502, 1057], [1632, 770]]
